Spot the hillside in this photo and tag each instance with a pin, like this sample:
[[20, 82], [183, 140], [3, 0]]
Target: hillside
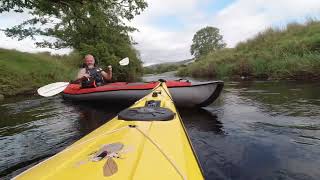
[[289, 53], [21, 72], [165, 67]]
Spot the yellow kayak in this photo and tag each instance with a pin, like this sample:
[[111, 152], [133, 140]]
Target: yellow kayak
[[146, 141]]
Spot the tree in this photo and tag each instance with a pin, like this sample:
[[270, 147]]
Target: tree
[[88, 26], [206, 40]]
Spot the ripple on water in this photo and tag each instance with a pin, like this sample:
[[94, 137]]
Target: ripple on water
[[255, 130]]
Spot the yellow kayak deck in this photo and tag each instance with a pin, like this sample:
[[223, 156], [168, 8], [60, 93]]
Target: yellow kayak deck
[[149, 150]]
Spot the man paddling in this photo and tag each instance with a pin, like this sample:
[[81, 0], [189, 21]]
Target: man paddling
[[91, 75]]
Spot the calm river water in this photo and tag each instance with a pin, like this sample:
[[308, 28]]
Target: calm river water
[[255, 130]]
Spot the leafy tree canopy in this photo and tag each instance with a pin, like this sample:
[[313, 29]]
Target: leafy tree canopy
[[88, 26], [206, 40]]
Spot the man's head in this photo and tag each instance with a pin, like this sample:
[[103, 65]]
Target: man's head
[[89, 60]]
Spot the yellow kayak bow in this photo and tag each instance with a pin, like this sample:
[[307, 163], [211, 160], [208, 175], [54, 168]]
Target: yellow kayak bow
[[146, 141]]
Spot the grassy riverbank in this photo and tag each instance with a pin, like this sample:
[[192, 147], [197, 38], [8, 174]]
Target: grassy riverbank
[[21, 72], [290, 53]]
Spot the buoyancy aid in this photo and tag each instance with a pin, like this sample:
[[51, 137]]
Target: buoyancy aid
[[96, 78]]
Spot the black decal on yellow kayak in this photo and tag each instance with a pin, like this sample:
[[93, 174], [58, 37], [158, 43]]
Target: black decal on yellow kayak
[[107, 150]]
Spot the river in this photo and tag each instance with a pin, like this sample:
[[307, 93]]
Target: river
[[255, 130]]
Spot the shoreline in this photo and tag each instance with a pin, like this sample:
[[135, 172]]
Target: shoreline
[[257, 78], [28, 92], [33, 91]]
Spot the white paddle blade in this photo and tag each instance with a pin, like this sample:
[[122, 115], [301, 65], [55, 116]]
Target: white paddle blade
[[124, 61], [52, 89]]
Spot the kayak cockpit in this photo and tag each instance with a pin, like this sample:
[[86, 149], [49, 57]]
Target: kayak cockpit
[[150, 112]]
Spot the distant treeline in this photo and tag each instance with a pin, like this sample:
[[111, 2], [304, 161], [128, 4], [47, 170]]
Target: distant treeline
[[289, 53], [160, 68]]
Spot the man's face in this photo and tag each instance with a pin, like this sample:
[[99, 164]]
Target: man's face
[[89, 60]]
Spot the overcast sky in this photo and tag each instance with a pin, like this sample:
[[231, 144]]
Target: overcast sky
[[166, 27]]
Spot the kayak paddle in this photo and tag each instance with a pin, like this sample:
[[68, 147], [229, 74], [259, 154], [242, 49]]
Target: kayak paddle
[[124, 61], [57, 87]]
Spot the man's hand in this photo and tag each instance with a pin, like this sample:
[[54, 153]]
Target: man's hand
[[86, 75], [109, 68]]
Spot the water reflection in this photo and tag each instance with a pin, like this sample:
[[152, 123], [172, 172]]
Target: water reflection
[[93, 115], [255, 130], [33, 129], [283, 98], [201, 120], [271, 131]]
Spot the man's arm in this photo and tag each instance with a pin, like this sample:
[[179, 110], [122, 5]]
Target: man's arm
[[81, 73], [107, 75]]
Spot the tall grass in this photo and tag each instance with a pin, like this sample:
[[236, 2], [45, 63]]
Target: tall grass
[[289, 53], [21, 72]]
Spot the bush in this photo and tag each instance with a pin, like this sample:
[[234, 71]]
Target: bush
[[293, 52]]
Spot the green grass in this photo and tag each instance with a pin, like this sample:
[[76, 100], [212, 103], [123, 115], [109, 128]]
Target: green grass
[[289, 53], [20, 72]]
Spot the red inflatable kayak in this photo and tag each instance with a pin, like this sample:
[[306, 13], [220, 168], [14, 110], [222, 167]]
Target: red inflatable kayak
[[184, 93]]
